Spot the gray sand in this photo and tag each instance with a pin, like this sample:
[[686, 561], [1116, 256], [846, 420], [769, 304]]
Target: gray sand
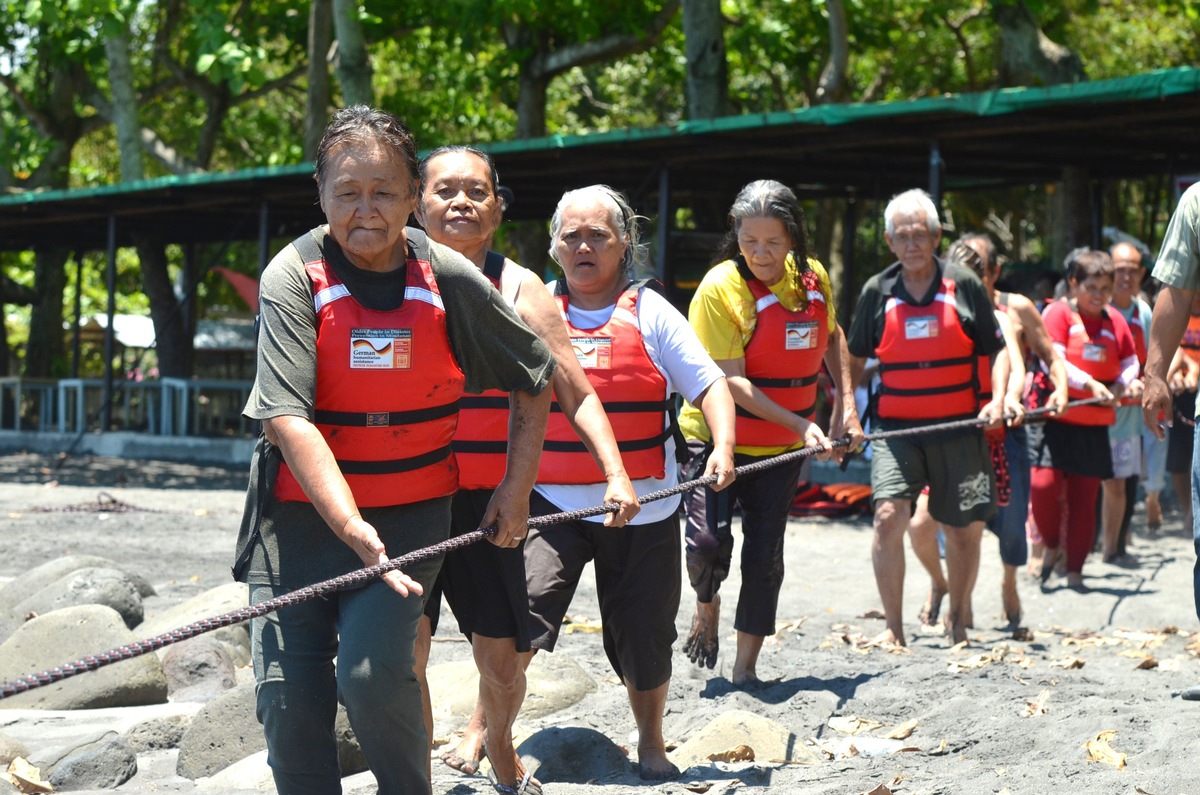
[[1081, 660]]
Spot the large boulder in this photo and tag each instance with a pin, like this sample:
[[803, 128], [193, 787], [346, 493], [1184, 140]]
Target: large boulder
[[71, 634], [572, 755], [37, 578], [198, 669], [10, 749], [553, 682], [224, 731], [214, 602], [87, 586], [157, 734], [769, 741], [102, 761]]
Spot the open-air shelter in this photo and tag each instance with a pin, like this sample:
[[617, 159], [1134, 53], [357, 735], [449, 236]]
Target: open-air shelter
[[1108, 129]]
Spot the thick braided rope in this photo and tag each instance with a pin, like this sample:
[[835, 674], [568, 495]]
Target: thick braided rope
[[138, 648]]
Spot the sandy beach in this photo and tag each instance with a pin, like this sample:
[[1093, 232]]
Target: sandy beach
[[1029, 713]]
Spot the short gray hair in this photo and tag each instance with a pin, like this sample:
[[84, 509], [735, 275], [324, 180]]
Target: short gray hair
[[911, 201], [621, 218]]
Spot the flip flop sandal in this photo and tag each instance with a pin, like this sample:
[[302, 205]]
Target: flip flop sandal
[[528, 785]]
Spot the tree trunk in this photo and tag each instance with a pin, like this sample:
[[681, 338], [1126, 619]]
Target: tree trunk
[[1025, 55], [531, 104], [172, 342], [353, 62], [1073, 213], [320, 37], [46, 354], [124, 106], [832, 85], [707, 68]]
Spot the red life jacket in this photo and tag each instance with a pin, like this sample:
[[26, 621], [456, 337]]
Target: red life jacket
[[632, 389], [1097, 355], [387, 389], [1134, 321], [783, 358], [1191, 338], [928, 367], [481, 441]]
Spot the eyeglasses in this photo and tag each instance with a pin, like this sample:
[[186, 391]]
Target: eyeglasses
[[919, 238]]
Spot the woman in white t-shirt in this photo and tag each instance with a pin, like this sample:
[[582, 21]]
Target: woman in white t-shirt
[[638, 352]]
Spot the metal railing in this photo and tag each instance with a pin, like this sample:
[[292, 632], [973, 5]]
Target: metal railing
[[162, 407]]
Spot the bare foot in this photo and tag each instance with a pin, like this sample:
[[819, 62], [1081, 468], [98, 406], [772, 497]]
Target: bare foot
[[653, 765], [746, 681], [702, 643], [933, 606], [466, 756], [888, 638], [1153, 512], [957, 631], [1011, 600]]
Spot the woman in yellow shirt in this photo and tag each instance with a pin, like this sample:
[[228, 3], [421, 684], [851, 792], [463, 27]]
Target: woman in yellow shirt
[[769, 324]]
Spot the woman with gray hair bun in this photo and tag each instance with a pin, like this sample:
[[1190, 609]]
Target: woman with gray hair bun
[[637, 351], [765, 312]]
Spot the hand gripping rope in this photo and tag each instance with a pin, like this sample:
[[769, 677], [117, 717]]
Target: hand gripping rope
[[362, 576]]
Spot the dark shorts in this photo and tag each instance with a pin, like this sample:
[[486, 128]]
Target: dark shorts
[[483, 584], [638, 582], [1180, 435], [956, 466], [1074, 449]]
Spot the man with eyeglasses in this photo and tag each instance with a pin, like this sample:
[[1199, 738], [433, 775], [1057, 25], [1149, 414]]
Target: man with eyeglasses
[[927, 322]]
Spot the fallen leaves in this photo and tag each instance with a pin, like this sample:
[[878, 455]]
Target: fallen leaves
[[1038, 706], [904, 730], [25, 777], [847, 635], [1001, 653], [572, 624], [852, 724], [1069, 663], [1100, 750], [742, 753]]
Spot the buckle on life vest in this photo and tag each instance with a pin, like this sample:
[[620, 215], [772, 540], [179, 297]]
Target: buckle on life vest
[[377, 419]]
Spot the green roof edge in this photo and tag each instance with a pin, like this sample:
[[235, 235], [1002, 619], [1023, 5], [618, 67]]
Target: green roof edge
[[1158, 84]]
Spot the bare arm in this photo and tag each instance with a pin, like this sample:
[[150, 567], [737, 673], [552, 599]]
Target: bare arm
[[578, 399], [1038, 339], [313, 464], [845, 422], [754, 400], [508, 509], [1170, 319], [1008, 374]]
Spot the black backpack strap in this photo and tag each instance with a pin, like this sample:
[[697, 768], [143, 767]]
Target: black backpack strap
[[493, 265]]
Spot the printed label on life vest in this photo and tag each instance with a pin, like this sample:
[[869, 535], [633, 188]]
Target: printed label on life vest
[[593, 353], [381, 349], [800, 336], [921, 328], [1093, 352]]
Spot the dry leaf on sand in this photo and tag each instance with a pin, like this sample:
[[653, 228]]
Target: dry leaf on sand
[[904, 730], [1067, 662], [852, 724], [1037, 706], [25, 777], [1100, 750], [742, 753], [882, 789]]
